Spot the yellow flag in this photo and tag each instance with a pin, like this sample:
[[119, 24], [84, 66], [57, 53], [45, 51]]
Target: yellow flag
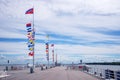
[[31, 49], [47, 36], [30, 40]]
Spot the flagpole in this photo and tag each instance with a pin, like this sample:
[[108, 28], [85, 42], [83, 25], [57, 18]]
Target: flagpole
[[53, 55], [48, 51], [53, 52], [31, 36], [33, 41], [56, 60], [47, 36]]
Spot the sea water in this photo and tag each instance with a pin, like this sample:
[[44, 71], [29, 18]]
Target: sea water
[[100, 69]]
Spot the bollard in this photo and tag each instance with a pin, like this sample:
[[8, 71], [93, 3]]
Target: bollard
[[31, 70], [41, 67], [6, 68]]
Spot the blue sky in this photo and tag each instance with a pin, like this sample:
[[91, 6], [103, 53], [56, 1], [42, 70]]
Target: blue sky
[[80, 29]]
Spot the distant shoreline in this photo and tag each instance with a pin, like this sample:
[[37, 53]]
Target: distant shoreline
[[93, 63], [104, 63]]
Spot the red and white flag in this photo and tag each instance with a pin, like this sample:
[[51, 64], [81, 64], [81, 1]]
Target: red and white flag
[[30, 11]]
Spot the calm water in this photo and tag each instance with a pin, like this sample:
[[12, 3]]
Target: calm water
[[101, 69], [111, 67], [3, 67]]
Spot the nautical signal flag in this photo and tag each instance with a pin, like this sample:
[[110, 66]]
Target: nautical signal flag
[[47, 36], [46, 43], [47, 47], [30, 45], [31, 48], [47, 56], [47, 51], [52, 45], [30, 11], [31, 53], [31, 41], [52, 51], [29, 35], [28, 24]]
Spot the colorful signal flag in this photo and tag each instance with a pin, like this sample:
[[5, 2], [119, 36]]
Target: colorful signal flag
[[30, 11]]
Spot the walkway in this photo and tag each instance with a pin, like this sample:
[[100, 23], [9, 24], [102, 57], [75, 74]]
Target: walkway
[[58, 73]]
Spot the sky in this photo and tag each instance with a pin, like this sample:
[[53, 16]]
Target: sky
[[87, 30]]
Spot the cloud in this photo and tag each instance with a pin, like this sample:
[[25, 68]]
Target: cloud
[[86, 6], [80, 27], [78, 49]]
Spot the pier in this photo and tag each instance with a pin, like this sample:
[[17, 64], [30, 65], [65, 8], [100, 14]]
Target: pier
[[57, 73]]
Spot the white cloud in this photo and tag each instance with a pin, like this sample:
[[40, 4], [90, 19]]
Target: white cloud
[[91, 6], [79, 49], [62, 17]]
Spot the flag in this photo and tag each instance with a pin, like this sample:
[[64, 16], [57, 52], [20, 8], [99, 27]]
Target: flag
[[29, 34], [52, 51], [52, 45], [30, 11], [46, 51], [46, 43], [31, 41], [28, 24], [47, 56], [31, 53], [47, 46], [47, 36], [30, 45], [31, 48], [29, 30]]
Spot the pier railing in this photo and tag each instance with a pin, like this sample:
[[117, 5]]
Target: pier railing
[[103, 74]]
